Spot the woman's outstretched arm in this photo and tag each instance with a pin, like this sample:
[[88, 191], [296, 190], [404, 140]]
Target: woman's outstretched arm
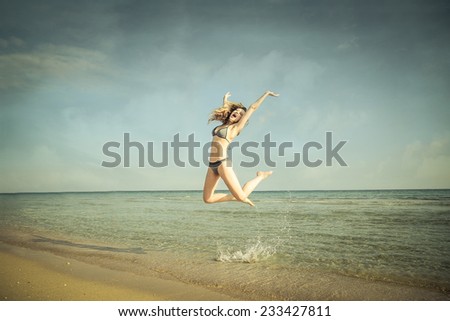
[[253, 107]]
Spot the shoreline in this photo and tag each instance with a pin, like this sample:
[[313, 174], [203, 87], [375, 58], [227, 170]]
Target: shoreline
[[33, 275], [37, 274]]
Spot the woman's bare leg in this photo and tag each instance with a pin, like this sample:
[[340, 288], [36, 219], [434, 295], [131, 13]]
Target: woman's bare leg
[[241, 193], [232, 182], [209, 188], [249, 187]]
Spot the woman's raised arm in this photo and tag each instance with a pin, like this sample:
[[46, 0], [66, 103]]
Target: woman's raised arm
[[253, 107], [225, 98]]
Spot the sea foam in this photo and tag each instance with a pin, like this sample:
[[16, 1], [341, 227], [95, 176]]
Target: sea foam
[[250, 254]]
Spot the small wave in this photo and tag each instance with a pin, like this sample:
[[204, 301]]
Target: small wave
[[251, 254]]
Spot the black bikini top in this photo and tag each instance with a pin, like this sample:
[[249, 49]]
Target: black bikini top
[[222, 133]]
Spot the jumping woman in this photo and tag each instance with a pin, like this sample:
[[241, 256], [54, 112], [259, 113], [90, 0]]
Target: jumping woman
[[234, 117]]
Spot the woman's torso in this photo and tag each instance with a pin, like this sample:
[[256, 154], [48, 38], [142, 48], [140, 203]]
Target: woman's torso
[[220, 143]]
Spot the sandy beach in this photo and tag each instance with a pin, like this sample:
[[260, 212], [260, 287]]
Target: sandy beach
[[35, 275]]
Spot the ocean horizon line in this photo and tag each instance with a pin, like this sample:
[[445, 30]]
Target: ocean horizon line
[[199, 190]]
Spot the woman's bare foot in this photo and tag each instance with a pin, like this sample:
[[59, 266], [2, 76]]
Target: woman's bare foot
[[247, 201], [264, 174]]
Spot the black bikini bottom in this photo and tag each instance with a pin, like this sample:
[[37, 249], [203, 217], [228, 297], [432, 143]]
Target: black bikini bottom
[[215, 165]]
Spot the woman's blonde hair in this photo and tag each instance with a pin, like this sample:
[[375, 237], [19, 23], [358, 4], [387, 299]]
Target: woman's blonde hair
[[223, 113]]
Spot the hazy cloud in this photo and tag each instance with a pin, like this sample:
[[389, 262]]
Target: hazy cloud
[[50, 62]]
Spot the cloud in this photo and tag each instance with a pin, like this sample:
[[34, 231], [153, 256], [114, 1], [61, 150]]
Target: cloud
[[274, 69], [48, 61], [418, 165], [348, 44], [11, 43]]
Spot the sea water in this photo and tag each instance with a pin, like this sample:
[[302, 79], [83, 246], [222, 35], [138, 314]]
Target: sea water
[[292, 243]]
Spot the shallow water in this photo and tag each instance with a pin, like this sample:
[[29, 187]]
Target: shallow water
[[294, 241]]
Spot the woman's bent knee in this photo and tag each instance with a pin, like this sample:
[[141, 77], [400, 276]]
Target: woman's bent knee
[[207, 200]]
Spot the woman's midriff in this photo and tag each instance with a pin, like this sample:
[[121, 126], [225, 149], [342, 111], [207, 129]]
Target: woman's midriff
[[218, 150]]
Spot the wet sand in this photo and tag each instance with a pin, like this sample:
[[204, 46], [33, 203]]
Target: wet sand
[[35, 275]]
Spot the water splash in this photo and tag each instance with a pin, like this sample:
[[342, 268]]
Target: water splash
[[251, 254], [265, 245]]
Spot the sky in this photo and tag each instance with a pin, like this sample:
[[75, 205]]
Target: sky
[[76, 75]]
